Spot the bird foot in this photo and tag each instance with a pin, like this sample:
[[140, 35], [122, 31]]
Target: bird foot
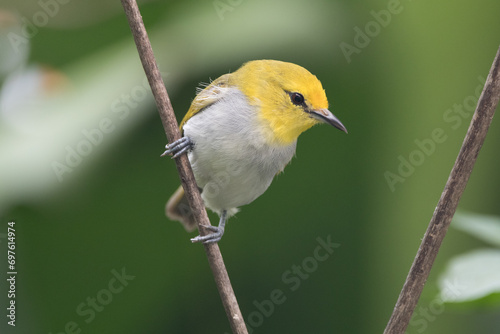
[[178, 147], [218, 231]]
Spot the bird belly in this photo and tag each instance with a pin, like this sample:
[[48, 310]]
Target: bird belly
[[232, 163]]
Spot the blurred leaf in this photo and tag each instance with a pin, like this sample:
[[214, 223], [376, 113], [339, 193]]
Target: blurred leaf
[[484, 227], [471, 276]]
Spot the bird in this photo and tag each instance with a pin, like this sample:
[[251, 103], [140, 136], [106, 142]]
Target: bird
[[240, 131]]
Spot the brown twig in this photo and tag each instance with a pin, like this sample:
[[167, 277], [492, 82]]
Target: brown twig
[[448, 203], [183, 166]]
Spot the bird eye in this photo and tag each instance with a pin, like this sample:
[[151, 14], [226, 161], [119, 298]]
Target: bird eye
[[297, 98]]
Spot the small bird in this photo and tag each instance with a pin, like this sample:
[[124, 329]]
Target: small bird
[[240, 131]]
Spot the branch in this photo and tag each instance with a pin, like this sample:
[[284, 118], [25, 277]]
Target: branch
[[448, 203], [183, 166]]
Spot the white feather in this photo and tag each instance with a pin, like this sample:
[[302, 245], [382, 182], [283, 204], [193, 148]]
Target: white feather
[[232, 161]]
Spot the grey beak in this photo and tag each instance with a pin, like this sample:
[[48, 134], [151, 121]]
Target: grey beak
[[326, 116]]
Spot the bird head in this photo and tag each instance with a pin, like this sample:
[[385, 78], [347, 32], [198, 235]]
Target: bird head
[[288, 97]]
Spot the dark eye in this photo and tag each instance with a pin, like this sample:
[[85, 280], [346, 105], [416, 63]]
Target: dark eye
[[297, 98]]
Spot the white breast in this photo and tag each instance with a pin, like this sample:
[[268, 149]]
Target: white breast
[[232, 162]]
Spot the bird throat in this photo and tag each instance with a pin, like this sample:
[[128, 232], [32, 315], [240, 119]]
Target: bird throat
[[284, 127]]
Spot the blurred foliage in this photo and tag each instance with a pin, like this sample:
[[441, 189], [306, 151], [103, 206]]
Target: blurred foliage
[[401, 75], [475, 275]]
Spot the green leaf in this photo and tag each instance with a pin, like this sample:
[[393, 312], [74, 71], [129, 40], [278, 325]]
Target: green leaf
[[471, 276], [484, 227]]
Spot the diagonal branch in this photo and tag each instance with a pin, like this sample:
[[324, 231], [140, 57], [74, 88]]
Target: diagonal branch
[[448, 203], [183, 166]]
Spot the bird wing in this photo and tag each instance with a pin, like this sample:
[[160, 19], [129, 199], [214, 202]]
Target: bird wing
[[206, 97]]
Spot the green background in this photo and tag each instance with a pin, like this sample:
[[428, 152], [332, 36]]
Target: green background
[[108, 212]]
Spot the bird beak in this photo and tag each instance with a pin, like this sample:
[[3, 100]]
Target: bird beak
[[324, 115]]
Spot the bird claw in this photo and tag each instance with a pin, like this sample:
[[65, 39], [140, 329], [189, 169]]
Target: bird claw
[[178, 147], [218, 231]]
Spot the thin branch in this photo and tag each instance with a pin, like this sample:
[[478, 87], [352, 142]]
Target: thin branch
[[183, 166], [448, 203]]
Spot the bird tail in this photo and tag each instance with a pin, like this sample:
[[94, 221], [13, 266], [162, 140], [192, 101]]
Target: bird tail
[[177, 208]]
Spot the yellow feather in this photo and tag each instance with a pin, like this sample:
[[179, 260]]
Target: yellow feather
[[267, 85]]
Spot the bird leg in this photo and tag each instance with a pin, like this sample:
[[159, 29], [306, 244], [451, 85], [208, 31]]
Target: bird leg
[[178, 147], [218, 231]]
